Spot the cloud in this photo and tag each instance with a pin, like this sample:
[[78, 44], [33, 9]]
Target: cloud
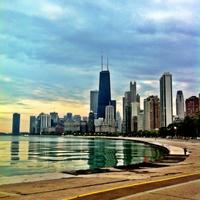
[[50, 50]]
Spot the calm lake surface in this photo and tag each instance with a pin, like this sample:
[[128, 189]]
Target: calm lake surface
[[41, 154]]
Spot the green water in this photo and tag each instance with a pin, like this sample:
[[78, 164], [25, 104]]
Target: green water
[[34, 154]]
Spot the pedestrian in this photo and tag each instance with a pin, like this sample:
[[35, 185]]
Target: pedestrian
[[185, 150]]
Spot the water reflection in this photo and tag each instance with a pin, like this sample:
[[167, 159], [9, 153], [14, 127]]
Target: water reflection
[[14, 150], [101, 154], [31, 155]]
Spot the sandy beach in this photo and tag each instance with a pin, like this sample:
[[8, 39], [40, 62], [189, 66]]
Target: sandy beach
[[66, 186]]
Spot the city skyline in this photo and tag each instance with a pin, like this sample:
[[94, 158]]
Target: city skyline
[[52, 61]]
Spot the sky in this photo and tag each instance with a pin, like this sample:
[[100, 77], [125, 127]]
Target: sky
[[50, 52]]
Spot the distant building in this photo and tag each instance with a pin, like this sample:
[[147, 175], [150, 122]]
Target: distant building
[[77, 118], [45, 122], [127, 112], [91, 127], [68, 117], [85, 118], [135, 109], [131, 109], [83, 127], [141, 120], [109, 116], [16, 124], [192, 106], [94, 101], [133, 96], [54, 119], [114, 104], [72, 126], [33, 124], [98, 124], [180, 104], [151, 113], [166, 105], [118, 122]]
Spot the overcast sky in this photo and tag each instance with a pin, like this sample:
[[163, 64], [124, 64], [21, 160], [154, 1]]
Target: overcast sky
[[50, 51]]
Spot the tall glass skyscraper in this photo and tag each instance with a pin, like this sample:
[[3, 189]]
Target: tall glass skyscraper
[[180, 104], [16, 124], [166, 106], [104, 97], [94, 101]]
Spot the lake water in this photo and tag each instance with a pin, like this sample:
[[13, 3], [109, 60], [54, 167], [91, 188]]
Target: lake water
[[41, 154]]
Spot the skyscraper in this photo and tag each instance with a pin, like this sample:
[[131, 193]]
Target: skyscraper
[[114, 104], [126, 126], [54, 118], [109, 115], [180, 104], [118, 121], [192, 106], [91, 127], [104, 97], [68, 117], [16, 124], [166, 106], [135, 106], [94, 101], [45, 122], [133, 91], [151, 113], [32, 129]]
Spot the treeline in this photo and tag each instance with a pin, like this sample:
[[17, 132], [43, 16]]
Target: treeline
[[188, 128]]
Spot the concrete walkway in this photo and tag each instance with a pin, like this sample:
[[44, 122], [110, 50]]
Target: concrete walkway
[[189, 190]]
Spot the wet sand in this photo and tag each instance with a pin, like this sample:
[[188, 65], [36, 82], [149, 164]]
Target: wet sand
[[64, 186]]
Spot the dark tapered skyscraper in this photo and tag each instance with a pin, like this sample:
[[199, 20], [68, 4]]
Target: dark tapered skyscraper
[[104, 93], [104, 97], [16, 124]]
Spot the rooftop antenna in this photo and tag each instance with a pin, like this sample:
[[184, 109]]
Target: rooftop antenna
[[107, 63], [101, 63]]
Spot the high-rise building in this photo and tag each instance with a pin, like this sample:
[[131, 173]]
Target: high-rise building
[[68, 117], [45, 122], [109, 115], [166, 105], [104, 97], [133, 91], [141, 121], [135, 106], [118, 121], [126, 126], [114, 104], [94, 101], [180, 104], [91, 127], [33, 124], [135, 109], [77, 118], [192, 106], [151, 113], [16, 124], [54, 118]]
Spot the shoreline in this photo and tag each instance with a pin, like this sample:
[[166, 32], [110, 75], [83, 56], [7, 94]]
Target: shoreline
[[76, 185], [5, 180]]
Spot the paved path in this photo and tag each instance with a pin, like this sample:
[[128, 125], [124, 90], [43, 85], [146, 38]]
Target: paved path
[[188, 191]]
